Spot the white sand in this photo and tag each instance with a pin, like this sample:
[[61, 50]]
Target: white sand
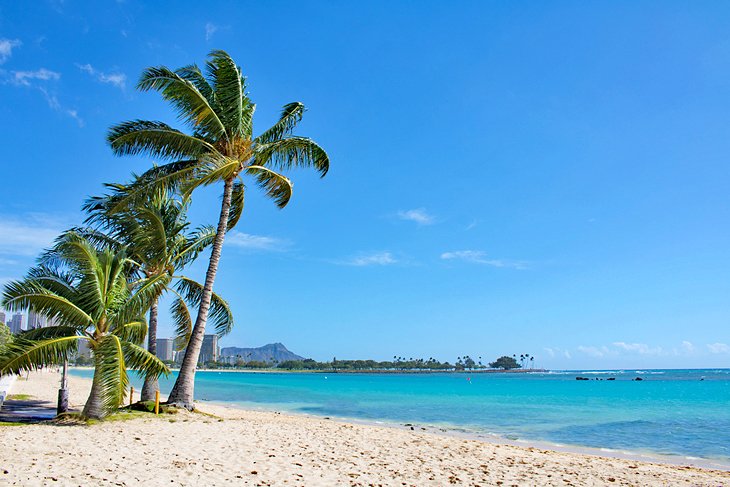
[[262, 448]]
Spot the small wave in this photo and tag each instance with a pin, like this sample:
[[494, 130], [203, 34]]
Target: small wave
[[597, 372]]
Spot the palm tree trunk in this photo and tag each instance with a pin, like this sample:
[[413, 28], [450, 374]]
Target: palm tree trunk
[[183, 391], [151, 385], [94, 407]]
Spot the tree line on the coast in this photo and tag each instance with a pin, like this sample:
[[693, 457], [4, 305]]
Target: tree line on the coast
[[101, 282], [397, 364]]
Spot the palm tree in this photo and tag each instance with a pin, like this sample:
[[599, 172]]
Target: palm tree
[[156, 233], [220, 150], [89, 293]]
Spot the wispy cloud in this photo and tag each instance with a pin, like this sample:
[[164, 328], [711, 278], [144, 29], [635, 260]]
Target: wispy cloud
[[210, 29], [640, 348], [42, 80], [480, 257], [118, 80], [6, 48], [718, 348], [688, 347], [370, 259], [418, 215], [53, 103], [28, 235], [594, 351], [257, 242], [25, 77], [553, 352]]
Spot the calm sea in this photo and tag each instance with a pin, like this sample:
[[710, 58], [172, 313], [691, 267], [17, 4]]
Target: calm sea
[[671, 412]]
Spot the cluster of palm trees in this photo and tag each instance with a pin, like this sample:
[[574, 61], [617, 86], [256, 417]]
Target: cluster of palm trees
[[100, 280]]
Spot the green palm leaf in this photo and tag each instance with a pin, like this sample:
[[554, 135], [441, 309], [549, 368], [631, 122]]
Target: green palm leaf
[[192, 106], [290, 152], [291, 115], [22, 355], [276, 186]]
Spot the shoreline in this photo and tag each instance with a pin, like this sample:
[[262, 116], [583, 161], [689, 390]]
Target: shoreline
[[462, 432], [459, 432], [233, 446]]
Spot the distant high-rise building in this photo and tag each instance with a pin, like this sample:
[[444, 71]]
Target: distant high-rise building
[[166, 349], [16, 323], [209, 349], [83, 350], [36, 321]]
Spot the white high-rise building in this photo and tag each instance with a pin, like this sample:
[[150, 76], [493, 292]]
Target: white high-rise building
[[36, 321], [16, 323], [166, 349]]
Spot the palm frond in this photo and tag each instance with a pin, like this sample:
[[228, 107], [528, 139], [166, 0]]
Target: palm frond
[[276, 186], [220, 314], [167, 177], [156, 139], [211, 170], [292, 152], [31, 295], [23, 355], [236, 208], [139, 359], [110, 371], [194, 244], [229, 86], [133, 332], [291, 115], [183, 323], [192, 106]]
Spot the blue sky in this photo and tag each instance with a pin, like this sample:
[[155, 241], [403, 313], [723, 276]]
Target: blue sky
[[548, 178]]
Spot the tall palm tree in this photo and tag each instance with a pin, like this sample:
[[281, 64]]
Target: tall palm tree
[[89, 293], [156, 233], [221, 149]]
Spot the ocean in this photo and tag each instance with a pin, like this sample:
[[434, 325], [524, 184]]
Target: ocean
[[678, 413]]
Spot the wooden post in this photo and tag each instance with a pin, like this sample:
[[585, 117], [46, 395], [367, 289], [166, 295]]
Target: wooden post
[[157, 402], [131, 396]]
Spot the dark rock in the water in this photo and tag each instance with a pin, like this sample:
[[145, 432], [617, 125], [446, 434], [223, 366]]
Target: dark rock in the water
[[582, 378], [638, 378], [611, 378]]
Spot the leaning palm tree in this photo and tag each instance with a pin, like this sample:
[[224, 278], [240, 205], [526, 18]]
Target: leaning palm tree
[[155, 232], [221, 149], [87, 291]]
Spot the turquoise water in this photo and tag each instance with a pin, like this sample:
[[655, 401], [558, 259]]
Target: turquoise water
[[670, 412]]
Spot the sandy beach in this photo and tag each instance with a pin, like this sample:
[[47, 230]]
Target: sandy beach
[[229, 446]]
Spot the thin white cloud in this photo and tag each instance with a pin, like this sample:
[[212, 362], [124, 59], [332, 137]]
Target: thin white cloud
[[480, 257], [688, 346], [53, 103], [597, 352], [210, 29], [118, 80], [256, 242], [25, 77], [29, 235], [640, 348], [718, 348], [375, 258], [6, 48], [472, 225], [417, 215], [554, 351]]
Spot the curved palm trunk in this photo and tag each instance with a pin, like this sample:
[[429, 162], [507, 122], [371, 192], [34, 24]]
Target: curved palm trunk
[[94, 407], [183, 390], [151, 385]]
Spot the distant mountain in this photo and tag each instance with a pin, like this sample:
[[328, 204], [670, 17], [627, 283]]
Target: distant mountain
[[273, 352]]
